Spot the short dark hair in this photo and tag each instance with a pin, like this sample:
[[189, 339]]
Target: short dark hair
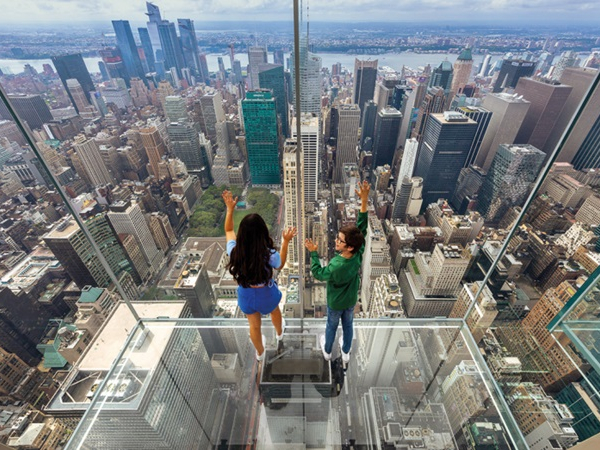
[[353, 237]]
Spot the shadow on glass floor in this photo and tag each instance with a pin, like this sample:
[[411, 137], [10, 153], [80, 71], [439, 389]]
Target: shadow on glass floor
[[195, 384]]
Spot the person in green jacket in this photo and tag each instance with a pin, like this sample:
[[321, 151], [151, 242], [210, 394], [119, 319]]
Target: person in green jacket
[[342, 278]]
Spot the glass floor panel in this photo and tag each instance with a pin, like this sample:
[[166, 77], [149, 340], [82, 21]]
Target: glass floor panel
[[196, 384]]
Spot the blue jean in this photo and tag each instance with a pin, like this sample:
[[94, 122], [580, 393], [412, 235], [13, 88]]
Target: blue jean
[[333, 319]]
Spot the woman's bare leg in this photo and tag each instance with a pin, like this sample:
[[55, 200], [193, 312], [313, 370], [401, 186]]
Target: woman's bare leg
[[276, 319], [254, 321]]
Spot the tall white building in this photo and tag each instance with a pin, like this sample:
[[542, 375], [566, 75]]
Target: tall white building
[[127, 218], [508, 112], [409, 158], [310, 79], [311, 149], [256, 57], [89, 154], [349, 121], [376, 259], [291, 173]]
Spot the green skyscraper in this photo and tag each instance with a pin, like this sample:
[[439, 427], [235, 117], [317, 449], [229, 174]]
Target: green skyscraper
[[262, 140]]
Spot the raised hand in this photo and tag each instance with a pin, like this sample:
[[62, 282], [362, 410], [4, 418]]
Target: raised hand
[[310, 245], [363, 190], [229, 200], [289, 233]]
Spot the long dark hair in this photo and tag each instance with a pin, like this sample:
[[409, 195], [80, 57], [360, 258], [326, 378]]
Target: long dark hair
[[249, 260]]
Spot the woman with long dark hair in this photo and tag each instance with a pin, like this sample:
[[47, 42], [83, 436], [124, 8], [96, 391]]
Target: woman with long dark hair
[[252, 258]]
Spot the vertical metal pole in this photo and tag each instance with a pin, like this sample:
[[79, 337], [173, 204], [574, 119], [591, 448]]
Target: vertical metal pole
[[69, 206], [299, 154]]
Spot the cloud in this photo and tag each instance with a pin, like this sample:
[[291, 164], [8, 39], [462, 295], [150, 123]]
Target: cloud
[[265, 10]]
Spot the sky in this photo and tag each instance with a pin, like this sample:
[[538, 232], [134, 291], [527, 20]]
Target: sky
[[15, 12]]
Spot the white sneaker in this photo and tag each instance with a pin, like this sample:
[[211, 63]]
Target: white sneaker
[[345, 356], [279, 337], [261, 357], [326, 355]]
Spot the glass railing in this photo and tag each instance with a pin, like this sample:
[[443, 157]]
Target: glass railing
[[195, 383], [117, 199]]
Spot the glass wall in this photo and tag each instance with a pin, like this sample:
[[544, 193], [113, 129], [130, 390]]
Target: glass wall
[[476, 315]]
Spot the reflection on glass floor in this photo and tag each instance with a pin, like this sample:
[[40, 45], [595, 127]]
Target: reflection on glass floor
[[195, 384]]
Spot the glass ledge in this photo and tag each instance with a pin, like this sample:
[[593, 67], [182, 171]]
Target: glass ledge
[[196, 384], [579, 320]]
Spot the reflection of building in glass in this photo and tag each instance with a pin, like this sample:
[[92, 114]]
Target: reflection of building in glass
[[545, 423], [391, 423], [483, 313], [463, 396], [507, 184]]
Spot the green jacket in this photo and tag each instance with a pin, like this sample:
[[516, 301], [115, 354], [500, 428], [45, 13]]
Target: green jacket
[[341, 274]]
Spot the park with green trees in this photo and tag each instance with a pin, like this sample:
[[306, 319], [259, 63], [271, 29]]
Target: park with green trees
[[209, 214]]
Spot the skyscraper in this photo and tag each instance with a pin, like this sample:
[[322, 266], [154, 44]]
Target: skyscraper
[[169, 42], [513, 171], [547, 99], [262, 140], [81, 102], [147, 47], [291, 176], [468, 185], [367, 126], [409, 198], [347, 141], [127, 218], [311, 154], [511, 71], [462, 70], [567, 59], [256, 57], [482, 116], [310, 79], [433, 103], [175, 108], [77, 256], [442, 76], [210, 113], [92, 162], [508, 112], [446, 143], [189, 44], [580, 80], [129, 51], [72, 66], [387, 126], [409, 158], [155, 148], [186, 145], [154, 19], [271, 77], [30, 108], [365, 77], [588, 155]]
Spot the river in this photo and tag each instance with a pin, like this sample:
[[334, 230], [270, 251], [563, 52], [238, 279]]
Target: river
[[393, 60]]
